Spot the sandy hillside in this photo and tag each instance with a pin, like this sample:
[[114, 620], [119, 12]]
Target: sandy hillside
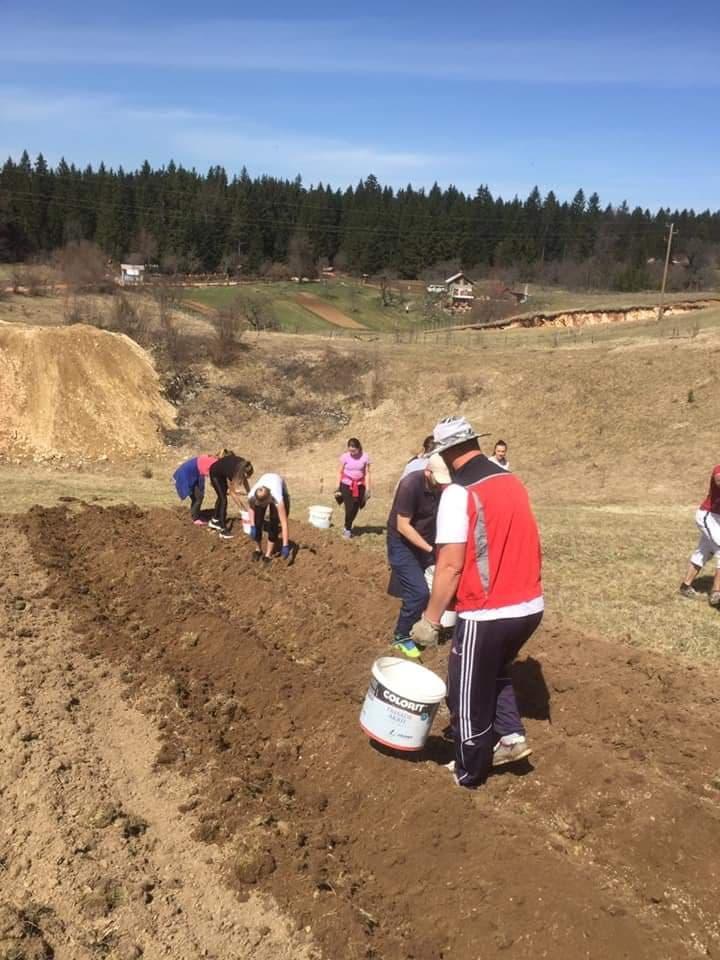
[[78, 391]]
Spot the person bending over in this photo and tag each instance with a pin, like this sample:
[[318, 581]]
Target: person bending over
[[270, 502], [353, 489], [707, 518], [411, 546], [190, 482], [227, 474]]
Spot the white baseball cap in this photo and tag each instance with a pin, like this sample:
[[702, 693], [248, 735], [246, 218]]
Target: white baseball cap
[[438, 468]]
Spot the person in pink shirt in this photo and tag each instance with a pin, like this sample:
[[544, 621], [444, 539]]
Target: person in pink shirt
[[353, 489]]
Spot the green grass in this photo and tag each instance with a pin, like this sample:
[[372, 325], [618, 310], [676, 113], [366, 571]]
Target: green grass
[[359, 302], [363, 303]]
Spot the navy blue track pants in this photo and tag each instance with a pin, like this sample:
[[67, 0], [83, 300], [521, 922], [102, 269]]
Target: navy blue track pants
[[481, 697], [407, 581]]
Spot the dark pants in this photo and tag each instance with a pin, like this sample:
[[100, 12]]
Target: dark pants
[[407, 581], [481, 697], [220, 486], [352, 504], [196, 499], [271, 524]]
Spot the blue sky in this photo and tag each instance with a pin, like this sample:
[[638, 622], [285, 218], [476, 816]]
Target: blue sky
[[619, 97]]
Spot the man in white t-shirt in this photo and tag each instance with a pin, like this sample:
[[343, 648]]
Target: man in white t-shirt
[[488, 560], [270, 496], [500, 455]]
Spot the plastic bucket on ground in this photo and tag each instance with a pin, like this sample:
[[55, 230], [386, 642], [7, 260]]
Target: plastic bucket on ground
[[246, 521], [449, 618], [320, 516], [401, 703]]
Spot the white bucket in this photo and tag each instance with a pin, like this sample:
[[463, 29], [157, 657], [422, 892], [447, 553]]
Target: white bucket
[[401, 703], [449, 618], [320, 516], [246, 521]]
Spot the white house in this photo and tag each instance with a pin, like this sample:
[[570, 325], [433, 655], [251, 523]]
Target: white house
[[131, 273], [460, 289]]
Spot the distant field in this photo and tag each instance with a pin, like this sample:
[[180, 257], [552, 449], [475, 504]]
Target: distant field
[[544, 299], [362, 303], [359, 302]]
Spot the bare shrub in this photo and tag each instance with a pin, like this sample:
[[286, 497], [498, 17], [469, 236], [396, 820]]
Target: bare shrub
[[460, 388], [82, 266], [166, 298], [255, 311], [30, 280], [294, 433], [125, 317], [301, 261], [375, 387], [328, 372], [228, 333], [275, 271]]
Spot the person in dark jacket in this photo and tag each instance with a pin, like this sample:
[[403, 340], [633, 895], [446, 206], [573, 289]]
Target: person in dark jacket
[[411, 545], [227, 473]]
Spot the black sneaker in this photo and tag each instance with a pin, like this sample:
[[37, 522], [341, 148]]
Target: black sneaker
[[688, 592], [214, 525], [225, 535], [257, 555]]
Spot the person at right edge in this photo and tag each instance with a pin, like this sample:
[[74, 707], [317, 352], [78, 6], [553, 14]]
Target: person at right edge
[[489, 558]]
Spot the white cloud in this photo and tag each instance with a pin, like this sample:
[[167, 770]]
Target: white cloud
[[106, 127], [370, 47]]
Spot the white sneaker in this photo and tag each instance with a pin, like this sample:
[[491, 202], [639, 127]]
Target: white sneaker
[[509, 750]]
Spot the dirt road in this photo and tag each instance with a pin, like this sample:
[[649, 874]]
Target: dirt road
[[184, 766], [321, 308]]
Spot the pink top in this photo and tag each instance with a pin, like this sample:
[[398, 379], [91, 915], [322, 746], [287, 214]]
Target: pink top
[[354, 467], [204, 463]]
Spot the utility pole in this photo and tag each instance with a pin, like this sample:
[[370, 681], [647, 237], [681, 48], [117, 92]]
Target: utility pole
[[661, 307]]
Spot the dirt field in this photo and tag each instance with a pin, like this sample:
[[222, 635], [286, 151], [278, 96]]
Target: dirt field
[[323, 310], [184, 773]]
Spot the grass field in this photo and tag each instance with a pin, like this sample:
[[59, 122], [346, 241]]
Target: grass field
[[361, 303]]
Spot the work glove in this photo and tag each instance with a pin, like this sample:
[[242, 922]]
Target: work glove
[[253, 532], [285, 551], [338, 497], [424, 633]]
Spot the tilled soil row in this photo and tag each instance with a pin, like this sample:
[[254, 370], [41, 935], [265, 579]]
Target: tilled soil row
[[608, 846], [94, 859]]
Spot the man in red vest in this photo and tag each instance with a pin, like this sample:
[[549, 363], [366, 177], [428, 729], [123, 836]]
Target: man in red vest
[[489, 559]]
